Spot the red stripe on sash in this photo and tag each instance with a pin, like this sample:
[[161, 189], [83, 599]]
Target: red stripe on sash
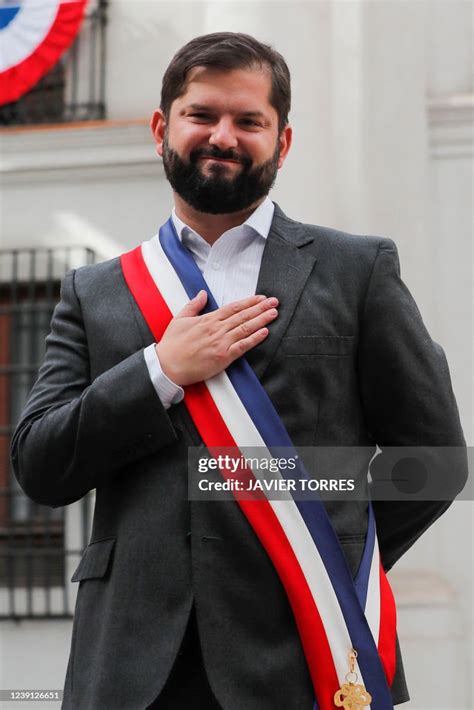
[[310, 626], [388, 628], [149, 300], [260, 514]]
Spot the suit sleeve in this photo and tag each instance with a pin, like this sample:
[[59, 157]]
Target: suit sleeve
[[76, 434], [408, 402]]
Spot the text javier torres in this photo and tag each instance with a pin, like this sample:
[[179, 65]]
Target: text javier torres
[[262, 474]]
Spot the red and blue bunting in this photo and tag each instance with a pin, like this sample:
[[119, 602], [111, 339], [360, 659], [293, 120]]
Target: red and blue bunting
[[34, 34]]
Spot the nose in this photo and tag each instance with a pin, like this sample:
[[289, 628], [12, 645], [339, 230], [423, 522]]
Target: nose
[[223, 134]]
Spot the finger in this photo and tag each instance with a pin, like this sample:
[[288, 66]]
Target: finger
[[249, 313], [235, 307], [242, 346], [194, 306], [248, 327]]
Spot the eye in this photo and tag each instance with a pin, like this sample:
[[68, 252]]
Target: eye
[[250, 122], [200, 116]]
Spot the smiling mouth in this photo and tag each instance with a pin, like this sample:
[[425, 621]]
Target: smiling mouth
[[220, 160]]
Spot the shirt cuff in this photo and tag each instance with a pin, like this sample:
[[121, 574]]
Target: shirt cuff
[[167, 391]]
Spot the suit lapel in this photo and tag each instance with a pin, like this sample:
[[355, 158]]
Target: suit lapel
[[286, 266]]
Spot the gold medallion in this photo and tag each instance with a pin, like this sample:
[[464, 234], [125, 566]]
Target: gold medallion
[[352, 695]]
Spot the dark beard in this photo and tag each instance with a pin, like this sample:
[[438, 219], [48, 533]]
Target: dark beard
[[217, 193]]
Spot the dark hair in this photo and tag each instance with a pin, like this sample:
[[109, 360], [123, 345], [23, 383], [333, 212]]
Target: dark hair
[[226, 51]]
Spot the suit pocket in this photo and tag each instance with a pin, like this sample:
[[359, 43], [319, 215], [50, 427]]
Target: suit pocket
[[95, 560], [317, 345]]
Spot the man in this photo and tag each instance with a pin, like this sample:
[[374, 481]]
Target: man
[[179, 603]]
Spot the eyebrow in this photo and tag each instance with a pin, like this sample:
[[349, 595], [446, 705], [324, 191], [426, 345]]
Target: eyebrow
[[203, 107]]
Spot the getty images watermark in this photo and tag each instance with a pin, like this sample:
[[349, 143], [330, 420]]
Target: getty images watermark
[[330, 473]]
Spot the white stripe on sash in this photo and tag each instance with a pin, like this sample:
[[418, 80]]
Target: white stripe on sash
[[372, 604]]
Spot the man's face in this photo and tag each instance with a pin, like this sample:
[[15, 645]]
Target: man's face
[[220, 147]]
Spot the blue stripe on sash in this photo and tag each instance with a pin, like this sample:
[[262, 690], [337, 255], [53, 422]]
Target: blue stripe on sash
[[273, 432]]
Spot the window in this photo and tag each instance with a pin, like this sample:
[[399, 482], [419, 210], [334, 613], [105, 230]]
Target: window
[[37, 544]]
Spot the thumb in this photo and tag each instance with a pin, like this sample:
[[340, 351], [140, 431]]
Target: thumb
[[194, 306]]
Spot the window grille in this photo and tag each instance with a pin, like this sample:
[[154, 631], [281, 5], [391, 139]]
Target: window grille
[[74, 89], [39, 546]]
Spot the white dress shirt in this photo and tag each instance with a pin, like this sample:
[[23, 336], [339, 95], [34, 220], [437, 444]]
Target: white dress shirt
[[230, 268]]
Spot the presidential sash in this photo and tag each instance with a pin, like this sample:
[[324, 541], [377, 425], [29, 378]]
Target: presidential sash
[[334, 613]]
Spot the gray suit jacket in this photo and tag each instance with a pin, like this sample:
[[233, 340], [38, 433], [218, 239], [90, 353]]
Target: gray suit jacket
[[348, 362]]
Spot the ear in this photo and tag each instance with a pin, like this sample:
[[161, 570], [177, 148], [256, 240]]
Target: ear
[[158, 125], [285, 139]]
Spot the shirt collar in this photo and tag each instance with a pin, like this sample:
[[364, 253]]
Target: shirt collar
[[259, 221]]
